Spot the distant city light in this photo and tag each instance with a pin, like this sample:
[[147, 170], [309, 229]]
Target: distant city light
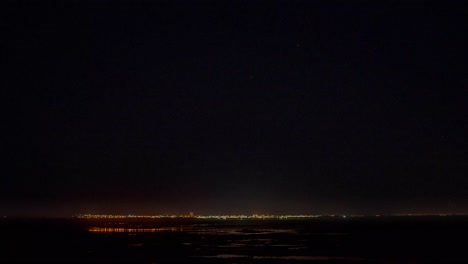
[[231, 216], [192, 215]]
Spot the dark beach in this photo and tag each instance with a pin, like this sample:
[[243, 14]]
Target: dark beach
[[417, 239]]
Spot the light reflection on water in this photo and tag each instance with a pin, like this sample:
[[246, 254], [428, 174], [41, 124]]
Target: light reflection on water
[[133, 230], [295, 258], [191, 230], [227, 231], [249, 240]]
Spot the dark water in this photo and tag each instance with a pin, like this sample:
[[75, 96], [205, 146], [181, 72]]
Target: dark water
[[324, 240]]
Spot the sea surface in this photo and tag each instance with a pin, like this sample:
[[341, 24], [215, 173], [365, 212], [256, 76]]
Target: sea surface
[[434, 239]]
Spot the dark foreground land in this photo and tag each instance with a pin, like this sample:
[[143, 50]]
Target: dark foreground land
[[322, 240]]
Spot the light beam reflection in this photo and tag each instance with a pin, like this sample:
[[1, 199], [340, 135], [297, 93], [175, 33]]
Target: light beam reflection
[[133, 230]]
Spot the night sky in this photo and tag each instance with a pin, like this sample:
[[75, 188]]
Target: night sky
[[155, 107]]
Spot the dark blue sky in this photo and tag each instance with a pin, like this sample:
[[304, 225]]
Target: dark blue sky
[[234, 107]]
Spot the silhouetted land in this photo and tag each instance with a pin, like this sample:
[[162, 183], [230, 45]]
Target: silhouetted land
[[335, 240]]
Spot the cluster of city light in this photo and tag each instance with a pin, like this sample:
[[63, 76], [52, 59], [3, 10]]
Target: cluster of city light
[[235, 217], [102, 216], [256, 216], [191, 215]]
